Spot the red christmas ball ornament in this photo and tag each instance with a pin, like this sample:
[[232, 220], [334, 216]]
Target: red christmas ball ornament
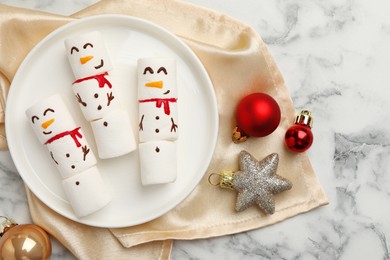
[[257, 115], [299, 137]]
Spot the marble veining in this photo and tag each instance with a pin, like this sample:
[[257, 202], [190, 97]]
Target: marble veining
[[335, 58]]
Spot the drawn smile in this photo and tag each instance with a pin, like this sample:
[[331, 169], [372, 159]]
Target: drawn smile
[[101, 64], [47, 133], [166, 92]]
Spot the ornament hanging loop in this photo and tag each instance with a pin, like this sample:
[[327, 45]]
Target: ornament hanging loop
[[211, 176]]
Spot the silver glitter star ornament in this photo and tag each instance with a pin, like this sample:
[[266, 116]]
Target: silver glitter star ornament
[[256, 182]]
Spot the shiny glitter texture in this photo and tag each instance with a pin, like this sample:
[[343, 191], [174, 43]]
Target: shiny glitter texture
[[257, 182]]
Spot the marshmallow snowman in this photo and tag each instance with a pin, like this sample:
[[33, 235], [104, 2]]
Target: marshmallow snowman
[[70, 152], [158, 120], [95, 93]]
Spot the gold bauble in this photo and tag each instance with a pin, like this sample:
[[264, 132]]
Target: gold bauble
[[26, 241]]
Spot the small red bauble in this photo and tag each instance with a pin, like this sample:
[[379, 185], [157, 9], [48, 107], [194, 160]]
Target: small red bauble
[[299, 137], [258, 115]]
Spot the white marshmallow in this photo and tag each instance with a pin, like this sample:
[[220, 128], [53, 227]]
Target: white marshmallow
[[86, 192], [95, 101], [151, 71], [114, 135], [69, 158], [155, 124], [87, 55], [49, 118], [158, 162]]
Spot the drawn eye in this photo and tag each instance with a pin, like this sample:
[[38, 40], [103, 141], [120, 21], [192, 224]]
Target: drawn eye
[[34, 118], [48, 110], [148, 69], [73, 49], [163, 70], [87, 44]]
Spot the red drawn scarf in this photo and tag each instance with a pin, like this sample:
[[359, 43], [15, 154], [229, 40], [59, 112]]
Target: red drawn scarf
[[99, 78], [160, 102], [75, 134]]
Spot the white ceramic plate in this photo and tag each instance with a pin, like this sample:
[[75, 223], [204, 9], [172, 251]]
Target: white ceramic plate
[[46, 71]]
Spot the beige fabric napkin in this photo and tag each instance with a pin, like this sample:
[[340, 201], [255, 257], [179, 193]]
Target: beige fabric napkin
[[238, 64]]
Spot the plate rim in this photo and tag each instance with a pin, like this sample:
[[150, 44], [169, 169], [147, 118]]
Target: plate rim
[[134, 20]]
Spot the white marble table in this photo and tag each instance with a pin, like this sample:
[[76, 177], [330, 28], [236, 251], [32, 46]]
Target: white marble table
[[335, 57]]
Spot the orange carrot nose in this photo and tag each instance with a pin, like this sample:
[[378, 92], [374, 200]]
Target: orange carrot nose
[[47, 123], [85, 59], [154, 84]]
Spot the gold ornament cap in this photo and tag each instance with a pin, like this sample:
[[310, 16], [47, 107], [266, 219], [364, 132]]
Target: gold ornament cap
[[225, 179], [239, 136], [304, 118], [6, 224]]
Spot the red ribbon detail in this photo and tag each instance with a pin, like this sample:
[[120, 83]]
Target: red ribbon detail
[[75, 134], [99, 78], [160, 102]]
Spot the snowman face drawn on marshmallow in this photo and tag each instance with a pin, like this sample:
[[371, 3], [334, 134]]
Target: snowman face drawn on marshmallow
[[87, 55], [49, 118], [157, 78], [45, 125]]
